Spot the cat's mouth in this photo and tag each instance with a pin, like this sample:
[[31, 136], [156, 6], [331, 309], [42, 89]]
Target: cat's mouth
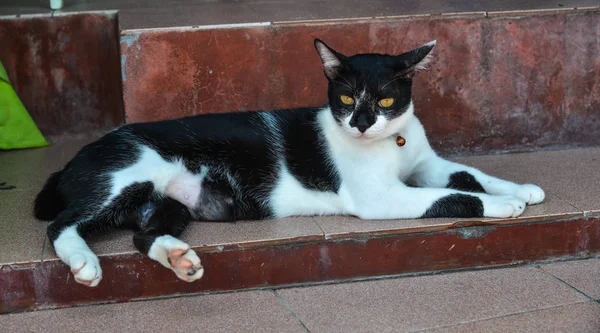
[[367, 135]]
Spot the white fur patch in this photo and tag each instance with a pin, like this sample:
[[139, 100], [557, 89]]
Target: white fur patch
[[360, 99], [290, 198], [170, 178], [327, 57], [422, 65], [502, 206]]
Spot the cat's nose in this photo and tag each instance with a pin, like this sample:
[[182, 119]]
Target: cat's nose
[[361, 121], [362, 128]]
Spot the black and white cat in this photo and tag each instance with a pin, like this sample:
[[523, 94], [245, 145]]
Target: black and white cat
[[344, 158]]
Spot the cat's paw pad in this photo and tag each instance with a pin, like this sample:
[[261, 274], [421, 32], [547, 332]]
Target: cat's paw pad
[[531, 194], [86, 268], [503, 206], [186, 264]]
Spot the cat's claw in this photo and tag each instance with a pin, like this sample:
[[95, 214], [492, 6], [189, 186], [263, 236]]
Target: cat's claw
[[503, 206], [85, 268], [531, 194]]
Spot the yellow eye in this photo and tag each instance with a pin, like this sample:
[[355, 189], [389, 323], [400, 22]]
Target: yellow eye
[[386, 102], [347, 99]]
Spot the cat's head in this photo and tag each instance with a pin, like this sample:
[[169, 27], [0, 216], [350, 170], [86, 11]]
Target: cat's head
[[370, 93]]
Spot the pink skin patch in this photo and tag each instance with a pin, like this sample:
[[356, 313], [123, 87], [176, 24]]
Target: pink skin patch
[[185, 189]]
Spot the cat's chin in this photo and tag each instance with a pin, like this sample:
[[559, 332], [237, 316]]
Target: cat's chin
[[367, 137]]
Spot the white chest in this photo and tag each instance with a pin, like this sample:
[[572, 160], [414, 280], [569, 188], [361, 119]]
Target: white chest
[[383, 162]]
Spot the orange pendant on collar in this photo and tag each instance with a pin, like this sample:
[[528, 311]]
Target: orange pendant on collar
[[400, 141]]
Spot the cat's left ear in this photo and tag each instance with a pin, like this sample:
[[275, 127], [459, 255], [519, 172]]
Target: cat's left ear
[[414, 61], [332, 60]]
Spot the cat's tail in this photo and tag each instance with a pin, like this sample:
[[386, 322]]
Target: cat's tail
[[49, 202]]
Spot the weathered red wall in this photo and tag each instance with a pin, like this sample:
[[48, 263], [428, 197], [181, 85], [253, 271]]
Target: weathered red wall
[[66, 70], [504, 82]]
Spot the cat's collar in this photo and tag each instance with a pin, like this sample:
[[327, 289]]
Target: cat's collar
[[400, 141]]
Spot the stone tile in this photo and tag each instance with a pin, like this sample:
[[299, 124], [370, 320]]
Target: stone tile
[[580, 317], [572, 174], [258, 311], [191, 14], [244, 232], [415, 303], [28, 169], [24, 7], [21, 235], [583, 275]]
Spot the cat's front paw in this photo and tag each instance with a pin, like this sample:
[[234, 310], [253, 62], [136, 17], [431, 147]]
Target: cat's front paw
[[85, 267], [502, 206], [531, 194]]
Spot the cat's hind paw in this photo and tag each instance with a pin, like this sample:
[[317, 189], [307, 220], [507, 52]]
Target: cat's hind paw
[[85, 268], [531, 194], [177, 256], [503, 206]]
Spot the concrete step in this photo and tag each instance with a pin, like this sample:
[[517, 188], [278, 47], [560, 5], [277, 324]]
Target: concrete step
[[301, 251]]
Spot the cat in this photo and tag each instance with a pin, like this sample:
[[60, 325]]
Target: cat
[[364, 154]]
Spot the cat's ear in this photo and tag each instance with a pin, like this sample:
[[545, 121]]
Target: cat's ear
[[416, 60], [333, 61]]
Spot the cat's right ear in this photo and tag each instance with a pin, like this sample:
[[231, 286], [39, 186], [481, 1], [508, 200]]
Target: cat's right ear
[[332, 60]]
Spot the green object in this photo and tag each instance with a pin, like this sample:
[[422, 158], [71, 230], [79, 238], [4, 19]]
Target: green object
[[17, 129]]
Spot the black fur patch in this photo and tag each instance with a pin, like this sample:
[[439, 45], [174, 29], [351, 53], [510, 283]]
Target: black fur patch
[[306, 155], [157, 218], [49, 202], [456, 205], [464, 181]]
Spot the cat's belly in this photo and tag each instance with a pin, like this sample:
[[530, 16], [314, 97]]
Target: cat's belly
[[169, 178], [290, 198]]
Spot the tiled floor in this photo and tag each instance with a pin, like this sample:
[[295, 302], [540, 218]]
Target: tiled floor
[[570, 178], [136, 14], [524, 299]]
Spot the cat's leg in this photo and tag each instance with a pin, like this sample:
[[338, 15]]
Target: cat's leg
[[159, 223], [438, 172], [398, 201], [65, 233]]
